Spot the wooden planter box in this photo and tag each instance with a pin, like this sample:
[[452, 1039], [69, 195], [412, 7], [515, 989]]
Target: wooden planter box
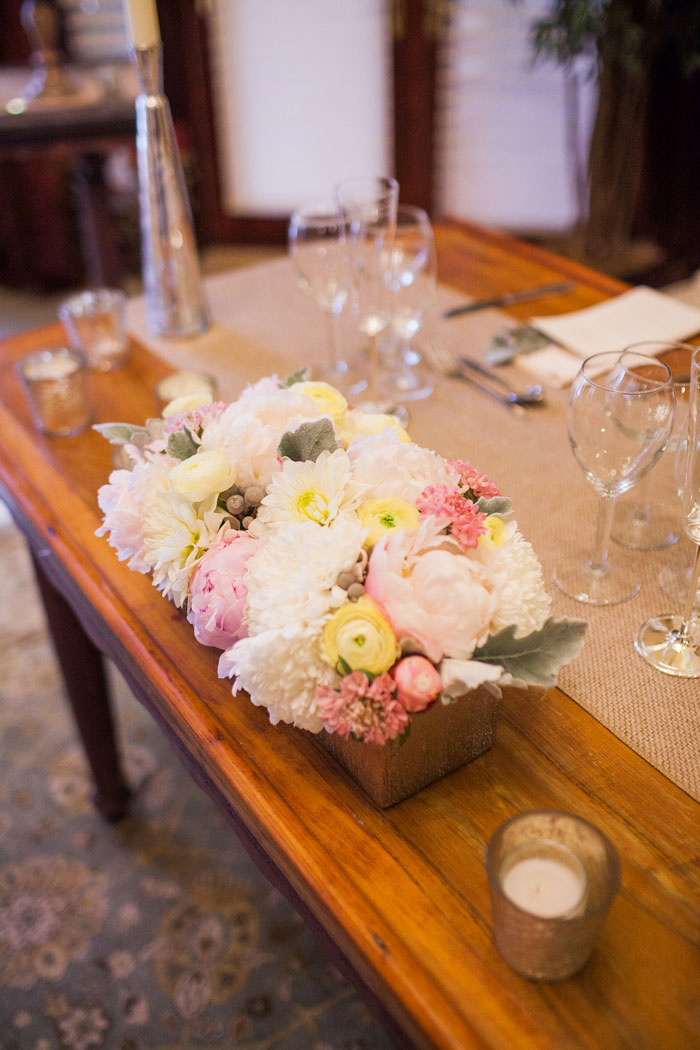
[[442, 739]]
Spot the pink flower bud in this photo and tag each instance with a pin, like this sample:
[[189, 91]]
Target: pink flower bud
[[417, 681]]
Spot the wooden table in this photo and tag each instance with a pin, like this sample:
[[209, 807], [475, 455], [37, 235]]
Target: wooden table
[[402, 894]]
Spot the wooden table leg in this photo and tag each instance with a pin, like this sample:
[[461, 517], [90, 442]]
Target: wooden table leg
[[86, 684]]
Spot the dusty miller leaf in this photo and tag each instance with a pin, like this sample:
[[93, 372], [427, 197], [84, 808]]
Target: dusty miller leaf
[[120, 433], [181, 444], [536, 658], [495, 505], [308, 441], [300, 376]]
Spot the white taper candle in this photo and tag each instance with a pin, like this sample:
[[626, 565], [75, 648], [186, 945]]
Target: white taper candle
[[143, 22]]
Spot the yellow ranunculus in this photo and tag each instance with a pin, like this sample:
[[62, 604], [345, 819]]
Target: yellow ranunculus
[[364, 424], [383, 515], [496, 534], [329, 400], [186, 403], [359, 633], [202, 475]]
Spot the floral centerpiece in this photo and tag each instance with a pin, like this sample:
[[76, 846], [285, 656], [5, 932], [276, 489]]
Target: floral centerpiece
[[351, 578]]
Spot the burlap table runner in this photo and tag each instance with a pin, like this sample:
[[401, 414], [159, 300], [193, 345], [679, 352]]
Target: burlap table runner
[[263, 324]]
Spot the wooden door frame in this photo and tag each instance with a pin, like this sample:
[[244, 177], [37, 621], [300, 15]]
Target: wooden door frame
[[189, 86]]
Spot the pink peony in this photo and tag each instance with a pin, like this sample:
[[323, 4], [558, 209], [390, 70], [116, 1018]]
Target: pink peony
[[367, 711], [218, 592], [440, 598], [418, 682]]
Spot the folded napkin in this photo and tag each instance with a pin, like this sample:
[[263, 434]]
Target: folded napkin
[[639, 315]]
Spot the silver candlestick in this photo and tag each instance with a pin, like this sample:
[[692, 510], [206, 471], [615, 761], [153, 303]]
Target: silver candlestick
[[175, 302]]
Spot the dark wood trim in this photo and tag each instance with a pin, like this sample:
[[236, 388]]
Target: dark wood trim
[[415, 62]]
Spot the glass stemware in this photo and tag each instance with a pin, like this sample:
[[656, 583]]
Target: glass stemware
[[648, 522], [412, 276], [317, 244], [367, 207], [671, 642], [619, 417]]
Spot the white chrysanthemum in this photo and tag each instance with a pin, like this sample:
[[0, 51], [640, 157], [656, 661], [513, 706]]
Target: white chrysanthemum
[[523, 600], [291, 579], [319, 492], [393, 469], [124, 502], [280, 670], [176, 535]]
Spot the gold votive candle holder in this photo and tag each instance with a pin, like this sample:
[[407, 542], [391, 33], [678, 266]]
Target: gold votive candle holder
[[95, 322], [55, 380], [553, 877]]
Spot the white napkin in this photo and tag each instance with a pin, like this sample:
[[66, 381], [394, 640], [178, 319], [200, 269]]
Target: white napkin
[[639, 315], [633, 317]]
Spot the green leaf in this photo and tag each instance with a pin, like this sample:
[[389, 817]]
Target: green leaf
[[400, 740], [308, 441], [119, 433], [536, 658], [495, 505], [300, 376], [342, 666], [181, 444]]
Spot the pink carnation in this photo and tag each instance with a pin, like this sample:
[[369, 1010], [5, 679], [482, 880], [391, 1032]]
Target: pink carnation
[[418, 682], [368, 712], [218, 591], [464, 520], [473, 480]]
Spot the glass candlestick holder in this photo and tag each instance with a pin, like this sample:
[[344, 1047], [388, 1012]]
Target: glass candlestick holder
[[553, 878]]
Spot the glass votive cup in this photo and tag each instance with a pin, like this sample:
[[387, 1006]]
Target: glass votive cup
[[553, 878], [55, 381], [95, 322]]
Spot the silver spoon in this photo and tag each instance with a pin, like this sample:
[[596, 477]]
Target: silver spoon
[[531, 395]]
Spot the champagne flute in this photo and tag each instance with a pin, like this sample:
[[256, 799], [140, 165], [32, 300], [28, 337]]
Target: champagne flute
[[619, 417], [671, 642], [642, 524], [412, 276], [317, 244], [367, 209]]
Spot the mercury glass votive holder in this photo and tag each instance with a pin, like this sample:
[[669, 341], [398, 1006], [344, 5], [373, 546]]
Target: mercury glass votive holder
[[55, 381], [95, 322], [552, 877]]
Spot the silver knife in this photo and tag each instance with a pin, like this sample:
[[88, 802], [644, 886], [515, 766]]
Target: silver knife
[[539, 292]]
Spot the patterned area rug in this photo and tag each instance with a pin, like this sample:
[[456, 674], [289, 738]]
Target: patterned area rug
[[158, 932]]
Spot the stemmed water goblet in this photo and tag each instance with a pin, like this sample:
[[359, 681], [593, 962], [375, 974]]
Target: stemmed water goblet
[[671, 642], [318, 247], [412, 277], [619, 418], [648, 522], [367, 208]]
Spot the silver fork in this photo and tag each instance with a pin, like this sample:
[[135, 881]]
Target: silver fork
[[444, 361]]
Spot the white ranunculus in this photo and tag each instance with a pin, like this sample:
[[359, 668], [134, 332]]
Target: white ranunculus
[[201, 475]]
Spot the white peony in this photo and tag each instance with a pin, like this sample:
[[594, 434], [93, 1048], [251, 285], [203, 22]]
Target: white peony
[[392, 469]]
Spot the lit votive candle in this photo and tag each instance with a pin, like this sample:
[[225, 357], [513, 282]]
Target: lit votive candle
[[553, 877], [545, 879], [56, 385]]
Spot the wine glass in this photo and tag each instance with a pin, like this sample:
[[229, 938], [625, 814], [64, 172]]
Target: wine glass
[[317, 244], [367, 209], [674, 578], [649, 523], [619, 417], [671, 642], [412, 276]]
